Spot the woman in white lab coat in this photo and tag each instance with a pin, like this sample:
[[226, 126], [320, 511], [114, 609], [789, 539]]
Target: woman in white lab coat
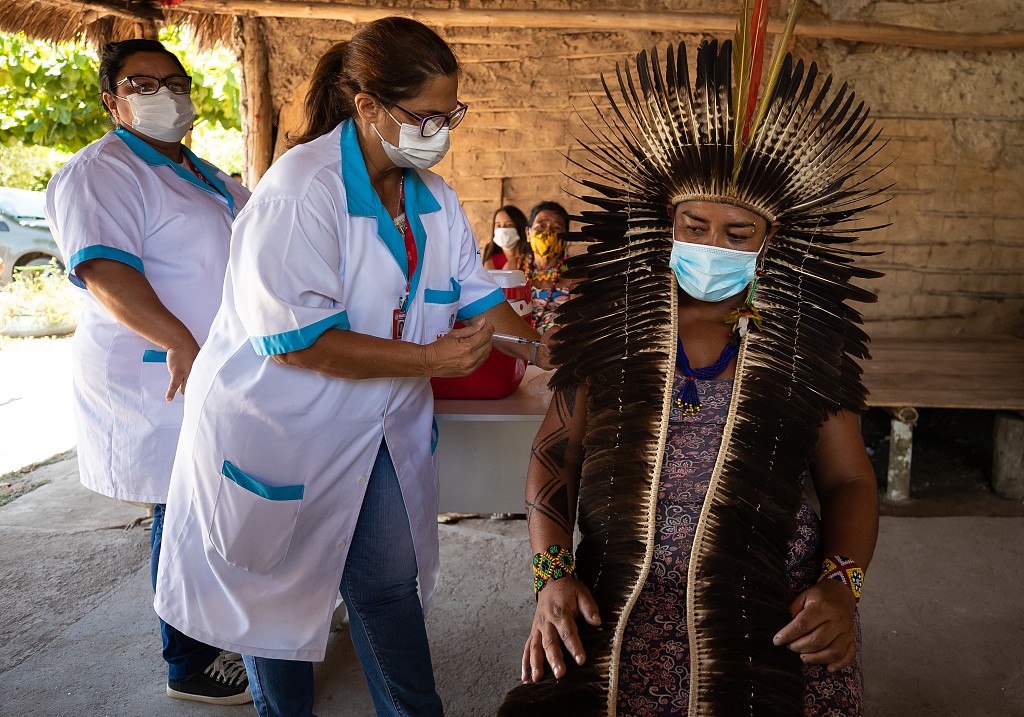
[[306, 457], [144, 225]]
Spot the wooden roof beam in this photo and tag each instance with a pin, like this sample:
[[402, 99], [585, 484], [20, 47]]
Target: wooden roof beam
[[133, 10], [612, 20]]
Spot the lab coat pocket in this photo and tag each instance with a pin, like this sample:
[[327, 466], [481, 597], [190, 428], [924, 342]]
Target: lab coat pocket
[[154, 380], [440, 308], [253, 522]]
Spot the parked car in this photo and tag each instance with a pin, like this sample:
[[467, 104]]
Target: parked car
[[25, 238]]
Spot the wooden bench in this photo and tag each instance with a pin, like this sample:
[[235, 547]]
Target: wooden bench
[[905, 375]]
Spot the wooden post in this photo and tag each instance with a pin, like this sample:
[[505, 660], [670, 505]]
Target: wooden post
[[258, 115], [901, 444], [1008, 456]]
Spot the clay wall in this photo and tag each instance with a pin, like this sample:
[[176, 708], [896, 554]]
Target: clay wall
[[954, 253]]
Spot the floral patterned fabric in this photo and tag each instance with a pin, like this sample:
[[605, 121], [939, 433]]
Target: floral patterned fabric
[[654, 672], [547, 300]]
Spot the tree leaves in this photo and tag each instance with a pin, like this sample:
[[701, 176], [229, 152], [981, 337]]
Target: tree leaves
[[46, 98], [50, 95]]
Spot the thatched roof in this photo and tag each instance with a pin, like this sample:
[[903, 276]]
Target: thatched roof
[[210, 20], [100, 21]]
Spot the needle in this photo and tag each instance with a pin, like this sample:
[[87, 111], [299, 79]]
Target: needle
[[513, 339]]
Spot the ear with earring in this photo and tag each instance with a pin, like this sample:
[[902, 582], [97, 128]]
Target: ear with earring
[[746, 315]]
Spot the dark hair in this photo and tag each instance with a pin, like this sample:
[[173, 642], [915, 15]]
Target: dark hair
[[391, 58], [519, 220], [115, 55], [550, 207]]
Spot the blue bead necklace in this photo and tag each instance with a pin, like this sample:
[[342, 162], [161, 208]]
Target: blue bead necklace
[[688, 398]]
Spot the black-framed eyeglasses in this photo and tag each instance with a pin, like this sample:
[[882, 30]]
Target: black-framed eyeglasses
[[432, 124], [146, 85]]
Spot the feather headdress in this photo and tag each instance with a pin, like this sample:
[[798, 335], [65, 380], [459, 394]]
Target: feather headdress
[[793, 153]]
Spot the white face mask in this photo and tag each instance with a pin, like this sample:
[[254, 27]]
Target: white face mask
[[164, 116], [414, 150], [506, 237]]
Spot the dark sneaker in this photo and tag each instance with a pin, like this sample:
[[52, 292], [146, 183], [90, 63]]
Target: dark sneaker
[[223, 682]]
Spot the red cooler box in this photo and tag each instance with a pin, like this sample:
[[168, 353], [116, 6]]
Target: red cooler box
[[500, 374]]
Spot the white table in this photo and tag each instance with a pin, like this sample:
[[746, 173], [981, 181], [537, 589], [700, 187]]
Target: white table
[[484, 448]]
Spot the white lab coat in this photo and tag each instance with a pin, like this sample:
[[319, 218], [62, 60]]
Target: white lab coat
[[120, 199], [273, 460]]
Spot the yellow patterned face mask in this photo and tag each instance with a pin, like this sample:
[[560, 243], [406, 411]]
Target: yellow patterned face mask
[[547, 244]]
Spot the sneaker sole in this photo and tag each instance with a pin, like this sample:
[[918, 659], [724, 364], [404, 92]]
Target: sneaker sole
[[243, 698]]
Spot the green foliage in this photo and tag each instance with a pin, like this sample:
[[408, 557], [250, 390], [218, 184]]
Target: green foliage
[[222, 147], [42, 296], [50, 96], [29, 167], [215, 85]]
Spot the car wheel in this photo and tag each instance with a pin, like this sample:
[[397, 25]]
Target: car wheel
[[37, 260]]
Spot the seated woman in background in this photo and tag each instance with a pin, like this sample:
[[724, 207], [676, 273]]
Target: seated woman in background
[[508, 249], [549, 223]]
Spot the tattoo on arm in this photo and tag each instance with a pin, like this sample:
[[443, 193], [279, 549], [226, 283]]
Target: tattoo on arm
[[551, 501], [552, 498], [566, 403], [550, 452]]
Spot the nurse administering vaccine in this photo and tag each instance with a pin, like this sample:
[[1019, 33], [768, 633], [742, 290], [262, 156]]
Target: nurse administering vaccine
[[144, 225], [306, 456]]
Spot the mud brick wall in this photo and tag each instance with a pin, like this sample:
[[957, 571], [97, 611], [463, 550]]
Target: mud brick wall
[[954, 253]]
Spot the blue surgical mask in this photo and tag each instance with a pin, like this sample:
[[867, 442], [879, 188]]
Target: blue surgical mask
[[709, 273]]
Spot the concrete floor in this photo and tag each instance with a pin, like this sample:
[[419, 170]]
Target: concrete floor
[[943, 616], [36, 408]]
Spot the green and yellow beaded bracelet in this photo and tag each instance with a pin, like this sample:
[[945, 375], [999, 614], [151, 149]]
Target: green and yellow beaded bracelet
[[554, 563]]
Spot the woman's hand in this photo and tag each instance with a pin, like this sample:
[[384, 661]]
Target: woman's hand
[[461, 351], [180, 358], [544, 350], [131, 300], [554, 624], [822, 630]]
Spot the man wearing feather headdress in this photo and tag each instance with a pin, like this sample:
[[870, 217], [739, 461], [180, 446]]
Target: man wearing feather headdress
[[705, 362]]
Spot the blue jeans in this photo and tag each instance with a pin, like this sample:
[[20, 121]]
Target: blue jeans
[[183, 655], [385, 617]]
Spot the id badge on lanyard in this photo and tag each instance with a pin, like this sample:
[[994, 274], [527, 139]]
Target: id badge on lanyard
[[398, 319]]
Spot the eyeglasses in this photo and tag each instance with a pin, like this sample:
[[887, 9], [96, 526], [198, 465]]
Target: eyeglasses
[[432, 124], [146, 85]]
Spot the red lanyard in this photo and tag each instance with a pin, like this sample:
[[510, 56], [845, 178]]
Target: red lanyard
[[411, 254], [410, 248], [192, 168], [411, 257]]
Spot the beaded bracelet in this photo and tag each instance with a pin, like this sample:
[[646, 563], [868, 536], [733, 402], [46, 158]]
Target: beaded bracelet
[[846, 571], [554, 563]]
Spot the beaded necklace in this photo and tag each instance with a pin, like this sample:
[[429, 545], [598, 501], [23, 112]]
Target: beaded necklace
[[550, 274], [743, 318], [688, 398]]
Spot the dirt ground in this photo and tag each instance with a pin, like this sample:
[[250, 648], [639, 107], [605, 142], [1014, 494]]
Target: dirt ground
[[942, 617]]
